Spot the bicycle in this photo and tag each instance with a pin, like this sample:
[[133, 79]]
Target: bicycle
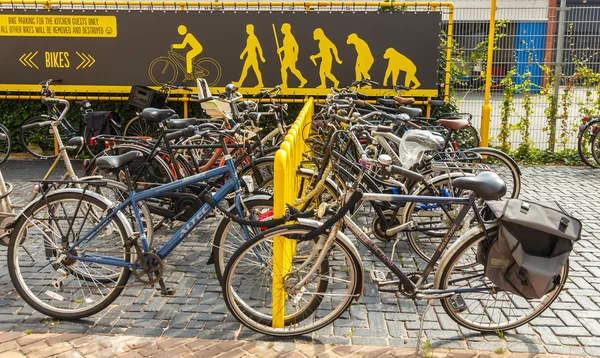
[[69, 178], [36, 139], [5, 144], [587, 136], [165, 69], [326, 272]]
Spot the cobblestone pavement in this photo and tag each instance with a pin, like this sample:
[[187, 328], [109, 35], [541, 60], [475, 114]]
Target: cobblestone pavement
[[570, 327], [75, 345]]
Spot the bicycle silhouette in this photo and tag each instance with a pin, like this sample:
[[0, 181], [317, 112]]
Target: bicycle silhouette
[[165, 69]]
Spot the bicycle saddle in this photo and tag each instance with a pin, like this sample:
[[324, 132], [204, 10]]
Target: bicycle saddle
[[386, 101], [155, 115], [437, 102], [180, 123], [75, 142], [455, 124], [413, 112], [404, 100], [112, 163], [486, 185]]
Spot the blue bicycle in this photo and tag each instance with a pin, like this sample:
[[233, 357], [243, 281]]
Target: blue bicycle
[[72, 252]]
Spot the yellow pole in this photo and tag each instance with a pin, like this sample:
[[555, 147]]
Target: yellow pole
[[486, 109], [185, 107], [279, 242], [449, 52]]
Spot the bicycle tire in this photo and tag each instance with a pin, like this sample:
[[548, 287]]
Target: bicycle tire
[[466, 138], [497, 160], [5, 144], [262, 321], [442, 283], [221, 246], [41, 135], [595, 145], [586, 135], [138, 127], [24, 224]]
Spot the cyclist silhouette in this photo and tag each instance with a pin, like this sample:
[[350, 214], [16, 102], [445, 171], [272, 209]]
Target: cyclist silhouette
[[189, 39], [326, 47], [252, 47], [290, 56]]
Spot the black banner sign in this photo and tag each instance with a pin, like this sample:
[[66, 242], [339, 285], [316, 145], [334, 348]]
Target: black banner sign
[[304, 52]]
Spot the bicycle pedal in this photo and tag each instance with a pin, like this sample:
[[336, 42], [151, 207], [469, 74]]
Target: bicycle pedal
[[378, 276], [458, 303]]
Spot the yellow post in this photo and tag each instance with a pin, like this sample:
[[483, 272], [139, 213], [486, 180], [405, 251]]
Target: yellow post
[[428, 108], [486, 109], [279, 243], [185, 106], [449, 51]]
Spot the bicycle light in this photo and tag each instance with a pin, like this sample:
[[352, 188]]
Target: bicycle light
[[322, 210]]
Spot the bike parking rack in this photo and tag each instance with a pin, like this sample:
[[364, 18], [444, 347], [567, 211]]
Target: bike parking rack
[[287, 160]]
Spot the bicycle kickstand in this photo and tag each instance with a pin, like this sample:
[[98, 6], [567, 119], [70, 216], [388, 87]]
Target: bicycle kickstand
[[422, 319]]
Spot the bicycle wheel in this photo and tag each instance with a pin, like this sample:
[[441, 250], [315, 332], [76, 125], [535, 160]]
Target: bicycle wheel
[[466, 138], [138, 127], [328, 292], [39, 141], [208, 69], [5, 144], [162, 70], [429, 221], [584, 140], [230, 235], [487, 310], [595, 145], [503, 165], [56, 286]]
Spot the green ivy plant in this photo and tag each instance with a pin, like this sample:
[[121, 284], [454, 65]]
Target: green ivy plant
[[507, 109]]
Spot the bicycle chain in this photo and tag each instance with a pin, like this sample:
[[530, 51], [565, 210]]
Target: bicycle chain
[[133, 271]]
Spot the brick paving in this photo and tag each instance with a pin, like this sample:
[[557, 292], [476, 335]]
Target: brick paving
[[18, 344], [570, 327]]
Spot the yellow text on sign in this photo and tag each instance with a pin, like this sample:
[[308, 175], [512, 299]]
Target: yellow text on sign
[[58, 26]]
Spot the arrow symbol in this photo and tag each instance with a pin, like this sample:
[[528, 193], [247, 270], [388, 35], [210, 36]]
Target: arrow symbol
[[27, 60], [86, 60]]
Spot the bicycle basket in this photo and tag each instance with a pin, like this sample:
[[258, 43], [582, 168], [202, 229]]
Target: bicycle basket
[[532, 245], [145, 97]]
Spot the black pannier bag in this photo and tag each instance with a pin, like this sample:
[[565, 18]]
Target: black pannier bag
[[533, 244], [98, 122]]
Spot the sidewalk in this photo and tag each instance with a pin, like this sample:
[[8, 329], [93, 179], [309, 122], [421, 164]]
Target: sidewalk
[[69, 345]]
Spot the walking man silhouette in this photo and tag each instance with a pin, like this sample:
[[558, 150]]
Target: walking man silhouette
[[290, 56], [252, 48], [326, 48], [189, 39]]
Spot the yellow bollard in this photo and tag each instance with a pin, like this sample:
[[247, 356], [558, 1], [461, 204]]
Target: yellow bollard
[[486, 109], [279, 249]]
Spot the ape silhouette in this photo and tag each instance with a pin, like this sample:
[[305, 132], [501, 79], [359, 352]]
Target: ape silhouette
[[364, 58], [398, 62]]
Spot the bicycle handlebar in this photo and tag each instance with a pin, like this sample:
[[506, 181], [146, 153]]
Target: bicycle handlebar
[[36, 125], [186, 132]]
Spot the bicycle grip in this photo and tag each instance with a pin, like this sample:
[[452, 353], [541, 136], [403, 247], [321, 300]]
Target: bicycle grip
[[35, 125], [414, 176], [202, 100], [187, 132], [355, 198], [50, 100]]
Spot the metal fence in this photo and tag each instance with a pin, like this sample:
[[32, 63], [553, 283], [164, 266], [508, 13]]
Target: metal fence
[[524, 66]]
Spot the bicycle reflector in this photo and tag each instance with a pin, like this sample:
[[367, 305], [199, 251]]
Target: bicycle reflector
[[93, 141]]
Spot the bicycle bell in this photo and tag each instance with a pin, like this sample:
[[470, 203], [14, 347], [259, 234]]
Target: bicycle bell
[[385, 159]]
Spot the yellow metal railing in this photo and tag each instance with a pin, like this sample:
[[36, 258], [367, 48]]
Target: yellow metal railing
[[287, 159]]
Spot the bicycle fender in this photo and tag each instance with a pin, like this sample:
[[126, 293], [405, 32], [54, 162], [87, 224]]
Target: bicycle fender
[[444, 260], [344, 238], [499, 153], [109, 203]]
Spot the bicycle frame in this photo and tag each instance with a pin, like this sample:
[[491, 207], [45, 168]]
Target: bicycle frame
[[403, 280], [232, 184]]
